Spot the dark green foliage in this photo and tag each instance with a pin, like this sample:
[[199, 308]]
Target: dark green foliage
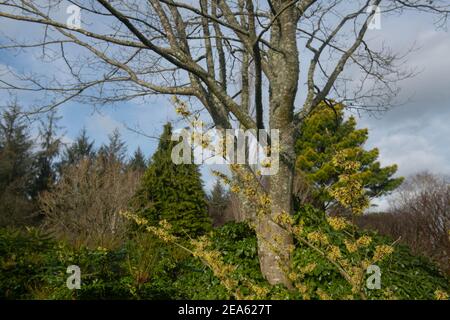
[[173, 192], [138, 162], [80, 149], [326, 132], [16, 168], [218, 201], [115, 150], [404, 275], [45, 168], [237, 243], [34, 267]]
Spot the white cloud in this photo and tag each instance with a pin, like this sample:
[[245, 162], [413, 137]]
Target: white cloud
[[99, 125]]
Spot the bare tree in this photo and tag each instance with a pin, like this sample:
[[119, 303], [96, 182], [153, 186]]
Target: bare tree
[[84, 206], [418, 215], [224, 55]]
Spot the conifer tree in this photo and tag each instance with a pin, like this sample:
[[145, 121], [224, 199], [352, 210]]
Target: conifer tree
[[82, 148], [323, 134], [173, 192], [138, 162], [218, 201], [115, 150], [44, 163], [16, 164]]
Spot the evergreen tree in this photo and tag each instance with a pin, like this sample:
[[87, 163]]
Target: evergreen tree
[[44, 163], [326, 132], [218, 201], [138, 162], [16, 164], [173, 192], [115, 150], [82, 148]]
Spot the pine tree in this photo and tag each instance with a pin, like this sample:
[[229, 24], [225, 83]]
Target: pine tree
[[323, 134], [173, 192], [44, 163], [115, 150], [16, 164], [218, 202], [82, 148], [138, 162]]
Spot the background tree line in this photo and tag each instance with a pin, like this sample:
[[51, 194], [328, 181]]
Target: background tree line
[[32, 164], [75, 194]]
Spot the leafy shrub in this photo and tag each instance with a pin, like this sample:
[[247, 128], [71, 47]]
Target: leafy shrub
[[403, 275], [33, 266]]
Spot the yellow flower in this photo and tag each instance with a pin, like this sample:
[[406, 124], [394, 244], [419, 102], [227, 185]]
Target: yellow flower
[[365, 264], [182, 111], [322, 295], [284, 219], [260, 292], [364, 241], [351, 246], [293, 276], [441, 295], [249, 192], [264, 200], [334, 253], [235, 189], [337, 223], [317, 237], [266, 163], [303, 289], [308, 268], [381, 252], [297, 230]]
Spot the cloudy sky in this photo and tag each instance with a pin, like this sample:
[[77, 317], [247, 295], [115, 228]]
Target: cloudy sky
[[415, 135]]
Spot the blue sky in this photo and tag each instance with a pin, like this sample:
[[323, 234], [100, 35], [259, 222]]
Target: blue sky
[[416, 135]]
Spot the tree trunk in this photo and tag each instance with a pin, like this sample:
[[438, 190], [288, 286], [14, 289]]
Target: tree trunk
[[274, 242]]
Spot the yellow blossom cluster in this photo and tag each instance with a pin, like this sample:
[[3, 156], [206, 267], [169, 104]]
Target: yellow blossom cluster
[[350, 193], [163, 232], [266, 163], [131, 216], [441, 295], [337, 223], [350, 246], [258, 292], [381, 252], [322, 294], [334, 253], [303, 289], [309, 268], [364, 241], [222, 177], [180, 107], [353, 246], [235, 189], [284, 219], [341, 160], [265, 200], [317, 237], [356, 278], [349, 190]]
